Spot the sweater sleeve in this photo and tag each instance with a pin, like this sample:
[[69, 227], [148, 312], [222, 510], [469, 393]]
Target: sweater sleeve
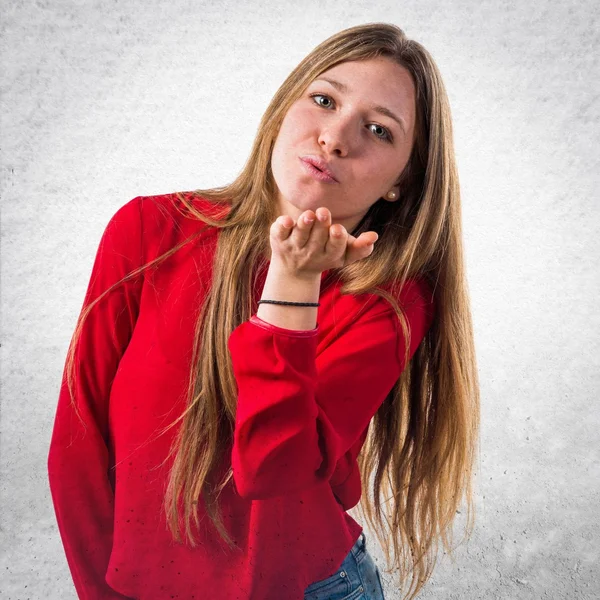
[[299, 411], [78, 458]]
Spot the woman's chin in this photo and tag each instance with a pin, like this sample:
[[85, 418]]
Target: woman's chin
[[303, 202]]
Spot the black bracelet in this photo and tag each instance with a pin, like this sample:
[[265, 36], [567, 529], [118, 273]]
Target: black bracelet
[[289, 303]]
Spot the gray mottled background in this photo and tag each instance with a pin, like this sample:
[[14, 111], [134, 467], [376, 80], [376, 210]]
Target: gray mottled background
[[105, 101]]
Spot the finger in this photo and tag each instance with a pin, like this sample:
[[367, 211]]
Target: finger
[[321, 228], [361, 247], [282, 227], [338, 232], [367, 238], [338, 237], [301, 233], [364, 240]]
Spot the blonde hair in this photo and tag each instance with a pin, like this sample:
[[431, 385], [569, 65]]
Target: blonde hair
[[422, 442]]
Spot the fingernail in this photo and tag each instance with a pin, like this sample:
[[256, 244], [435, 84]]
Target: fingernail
[[308, 219]]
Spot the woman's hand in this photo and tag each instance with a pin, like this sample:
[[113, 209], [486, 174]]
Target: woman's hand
[[307, 249]]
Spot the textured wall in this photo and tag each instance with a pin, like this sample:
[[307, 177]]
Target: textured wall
[[102, 102]]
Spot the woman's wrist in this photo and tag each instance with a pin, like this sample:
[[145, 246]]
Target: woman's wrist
[[280, 284]]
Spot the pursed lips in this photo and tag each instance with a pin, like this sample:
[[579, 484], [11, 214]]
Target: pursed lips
[[320, 168]]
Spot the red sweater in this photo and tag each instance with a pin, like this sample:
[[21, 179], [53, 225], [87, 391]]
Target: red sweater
[[305, 400]]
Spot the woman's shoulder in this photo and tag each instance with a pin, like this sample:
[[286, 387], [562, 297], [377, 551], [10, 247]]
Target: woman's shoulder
[[417, 288], [179, 207], [416, 297], [172, 217], [159, 222]]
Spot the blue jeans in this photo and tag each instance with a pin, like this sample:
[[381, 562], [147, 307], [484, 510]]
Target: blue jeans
[[357, 579]]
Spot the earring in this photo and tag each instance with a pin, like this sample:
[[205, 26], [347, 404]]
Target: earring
[[390, 195]]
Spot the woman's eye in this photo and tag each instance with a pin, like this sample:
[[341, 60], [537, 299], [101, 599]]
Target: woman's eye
[[387, 136], [320, 95]]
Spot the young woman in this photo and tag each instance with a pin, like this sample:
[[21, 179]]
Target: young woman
[[240, 375]]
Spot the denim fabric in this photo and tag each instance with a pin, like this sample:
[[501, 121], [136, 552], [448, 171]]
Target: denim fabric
[[358, 578]]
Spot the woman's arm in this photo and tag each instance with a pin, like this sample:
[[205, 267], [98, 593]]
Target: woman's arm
[[300, 411], [78, 458]]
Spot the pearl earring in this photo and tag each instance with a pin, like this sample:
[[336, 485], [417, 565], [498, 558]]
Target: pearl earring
[[390, 195]]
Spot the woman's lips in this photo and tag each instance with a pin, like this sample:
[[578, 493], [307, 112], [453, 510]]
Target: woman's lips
[[316, 173]]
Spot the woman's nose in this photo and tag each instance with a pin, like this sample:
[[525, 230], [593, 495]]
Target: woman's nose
[[338, 136]]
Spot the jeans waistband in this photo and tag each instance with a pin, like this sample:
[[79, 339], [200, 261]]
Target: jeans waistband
[[360, 546]]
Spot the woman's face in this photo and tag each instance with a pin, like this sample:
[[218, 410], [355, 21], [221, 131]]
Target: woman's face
[[365, 149]]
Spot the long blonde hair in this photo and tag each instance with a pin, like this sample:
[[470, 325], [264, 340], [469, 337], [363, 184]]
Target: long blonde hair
[[422, 442]]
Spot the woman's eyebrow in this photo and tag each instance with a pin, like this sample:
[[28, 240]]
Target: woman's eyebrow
[[342, 87]]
